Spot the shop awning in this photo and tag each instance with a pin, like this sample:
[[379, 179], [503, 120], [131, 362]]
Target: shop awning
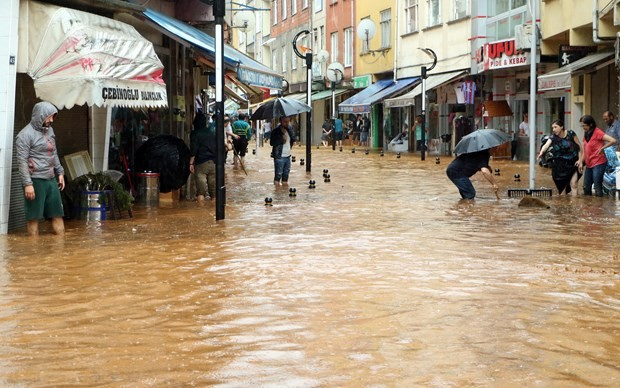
[[498, 108], [364, 100], [303, 97], [78, 58], [248, 70], [561, 78], [322, 95], [432, 82]]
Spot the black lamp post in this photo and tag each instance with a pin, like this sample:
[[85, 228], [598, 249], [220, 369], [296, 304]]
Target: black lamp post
[[308, 58], [219, 11], [431, 54]]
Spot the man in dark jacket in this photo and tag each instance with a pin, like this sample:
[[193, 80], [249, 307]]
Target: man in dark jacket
[[202, 159], [282, 140], [39, 165], [465, 166]]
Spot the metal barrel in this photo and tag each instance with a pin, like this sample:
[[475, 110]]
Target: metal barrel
[[148, 188]]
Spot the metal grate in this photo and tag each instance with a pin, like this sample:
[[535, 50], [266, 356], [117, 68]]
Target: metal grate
[[520, 193]]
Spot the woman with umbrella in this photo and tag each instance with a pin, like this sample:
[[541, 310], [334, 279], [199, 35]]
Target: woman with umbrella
[[282, 140], [472, 156]]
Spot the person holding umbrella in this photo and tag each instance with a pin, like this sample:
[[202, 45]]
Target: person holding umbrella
[[282, 140], [472, 155]]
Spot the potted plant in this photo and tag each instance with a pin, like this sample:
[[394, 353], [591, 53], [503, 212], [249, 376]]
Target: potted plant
[[92, 196]]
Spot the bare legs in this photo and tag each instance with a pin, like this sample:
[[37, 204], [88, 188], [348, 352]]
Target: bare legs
[[58, 226]]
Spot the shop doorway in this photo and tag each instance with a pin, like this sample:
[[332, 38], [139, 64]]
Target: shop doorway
[[554, 109]]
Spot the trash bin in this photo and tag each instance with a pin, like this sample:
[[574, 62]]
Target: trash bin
[[148, 188]]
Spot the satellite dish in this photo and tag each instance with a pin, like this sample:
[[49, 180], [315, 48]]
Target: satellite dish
[[335, 72], [366, 30], [244, 20], [322, 56]]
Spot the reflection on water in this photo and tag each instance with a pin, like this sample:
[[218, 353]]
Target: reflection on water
[[381, 277]]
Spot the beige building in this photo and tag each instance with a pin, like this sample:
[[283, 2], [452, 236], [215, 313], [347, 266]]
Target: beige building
[[584, 79], [445, 28]]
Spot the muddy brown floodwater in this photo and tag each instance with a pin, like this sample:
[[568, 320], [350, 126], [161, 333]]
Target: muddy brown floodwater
[[381, 277]]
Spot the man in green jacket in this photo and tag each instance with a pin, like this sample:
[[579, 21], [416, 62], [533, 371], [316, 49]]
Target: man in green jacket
[[243, 132]]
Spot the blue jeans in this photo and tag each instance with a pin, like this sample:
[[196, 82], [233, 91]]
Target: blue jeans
[[594, 176], [466, 189], [282, 168]]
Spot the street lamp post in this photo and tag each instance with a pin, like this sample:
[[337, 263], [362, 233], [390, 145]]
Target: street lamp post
[[220, 188], [308, 58], [335, 74], [431, 54]]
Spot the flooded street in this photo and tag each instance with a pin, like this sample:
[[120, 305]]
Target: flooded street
[[381, 277]]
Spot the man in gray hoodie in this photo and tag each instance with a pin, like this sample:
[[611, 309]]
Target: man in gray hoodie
[[38, 163]]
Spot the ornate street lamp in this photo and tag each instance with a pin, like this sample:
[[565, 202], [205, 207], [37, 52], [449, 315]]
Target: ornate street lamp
[[308, 58], [433, 56]]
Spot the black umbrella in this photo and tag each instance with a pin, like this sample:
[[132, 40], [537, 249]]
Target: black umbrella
[[479, 140], [280, 107], [167, 155]]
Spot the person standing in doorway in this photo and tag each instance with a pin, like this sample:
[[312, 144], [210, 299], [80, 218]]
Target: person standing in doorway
[[40, 169], [524, 127], [358, 124], [418, 134], [202, 159], [613, 127], [282, 140], [364, 133], [593, 158]]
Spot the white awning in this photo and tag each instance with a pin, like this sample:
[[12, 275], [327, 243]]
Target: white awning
[[560, 78], [302, 97], [432, 82], [78, 58]]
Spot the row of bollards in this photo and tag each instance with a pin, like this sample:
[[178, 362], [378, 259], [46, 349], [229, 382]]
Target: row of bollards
[[292, 192]]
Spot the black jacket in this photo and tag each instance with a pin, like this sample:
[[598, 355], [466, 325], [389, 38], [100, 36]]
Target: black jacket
[[277, 141]]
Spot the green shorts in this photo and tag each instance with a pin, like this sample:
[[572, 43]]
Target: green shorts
[[47, 202]]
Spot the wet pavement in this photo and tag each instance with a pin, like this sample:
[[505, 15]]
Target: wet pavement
[[381, 277]]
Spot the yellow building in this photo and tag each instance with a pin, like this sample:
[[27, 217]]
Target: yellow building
[[376, 56], [375, 47]]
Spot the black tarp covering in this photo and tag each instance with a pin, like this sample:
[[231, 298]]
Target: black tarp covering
[[167, 155]]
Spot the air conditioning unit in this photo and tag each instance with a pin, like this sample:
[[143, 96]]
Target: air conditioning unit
[[523, 36]]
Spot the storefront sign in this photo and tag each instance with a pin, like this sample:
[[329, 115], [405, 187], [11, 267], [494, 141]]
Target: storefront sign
[[569, 54], [127, 94], [554, 81], [361, 82], [252, 77], [500, 55]]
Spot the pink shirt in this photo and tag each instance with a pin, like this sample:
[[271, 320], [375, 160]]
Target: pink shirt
[[590, 147]]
